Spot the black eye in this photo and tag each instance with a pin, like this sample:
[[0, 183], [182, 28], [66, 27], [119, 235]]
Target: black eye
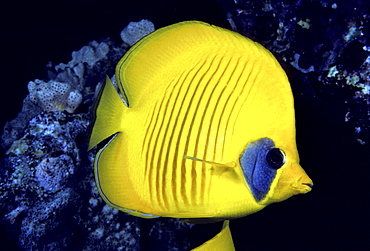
[[275, 158]]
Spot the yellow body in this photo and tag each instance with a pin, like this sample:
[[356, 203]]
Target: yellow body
[[197, 95]]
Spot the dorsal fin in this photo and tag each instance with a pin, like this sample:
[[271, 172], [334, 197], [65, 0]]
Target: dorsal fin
[[168, 52]]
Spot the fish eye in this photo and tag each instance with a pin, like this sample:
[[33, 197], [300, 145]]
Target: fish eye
[[275, 158]]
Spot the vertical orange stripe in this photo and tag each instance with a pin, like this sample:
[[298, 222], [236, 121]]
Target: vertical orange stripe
[[175, 168], [175, 143], [161, 173], [189, 133], [224, 105], [155, 168], [147, 139], [236, 101], [213, 112], [165, 193], [149, 153], [195, 154]]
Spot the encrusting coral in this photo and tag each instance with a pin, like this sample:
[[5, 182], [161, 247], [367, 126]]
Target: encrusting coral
[[54, 96], [52, 172]]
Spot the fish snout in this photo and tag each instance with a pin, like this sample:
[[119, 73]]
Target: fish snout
[[304, 185], [300, 182]]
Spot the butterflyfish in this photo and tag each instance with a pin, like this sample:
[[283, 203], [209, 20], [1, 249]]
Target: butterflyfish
[[206, 130]]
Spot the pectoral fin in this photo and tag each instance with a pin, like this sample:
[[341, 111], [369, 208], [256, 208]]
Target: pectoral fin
[[227, 166]]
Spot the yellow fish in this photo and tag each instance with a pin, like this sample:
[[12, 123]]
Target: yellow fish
[[208, 132]]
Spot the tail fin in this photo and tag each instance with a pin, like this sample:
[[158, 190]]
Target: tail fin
[[108, 114]]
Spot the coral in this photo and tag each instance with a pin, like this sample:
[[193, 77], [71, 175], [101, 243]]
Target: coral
[[48, 195], [91, 61], [54, 215], [89, 65], [54, 96], [46, 156], [134, 31], [53, 172], [14, 214], [89, 54], [14, 129], [295, 64]]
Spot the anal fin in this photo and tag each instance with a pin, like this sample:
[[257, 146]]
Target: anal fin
[[223, 241]]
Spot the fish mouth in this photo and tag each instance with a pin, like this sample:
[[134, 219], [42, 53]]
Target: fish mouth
[[305, 187], [308, 184]]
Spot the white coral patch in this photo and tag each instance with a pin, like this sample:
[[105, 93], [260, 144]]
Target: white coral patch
[[73, 101], [54, 96]]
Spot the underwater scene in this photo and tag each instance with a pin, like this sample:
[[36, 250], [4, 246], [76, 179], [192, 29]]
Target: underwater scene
[[188, 125]]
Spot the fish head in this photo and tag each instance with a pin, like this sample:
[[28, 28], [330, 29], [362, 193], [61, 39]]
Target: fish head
[[273, 174]]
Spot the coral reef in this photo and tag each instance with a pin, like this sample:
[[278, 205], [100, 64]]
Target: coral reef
[[70, 85], [47, 189], [46, 156], [43, 220]]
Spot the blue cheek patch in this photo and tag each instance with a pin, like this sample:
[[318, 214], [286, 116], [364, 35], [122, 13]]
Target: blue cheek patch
[[257, 171]]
